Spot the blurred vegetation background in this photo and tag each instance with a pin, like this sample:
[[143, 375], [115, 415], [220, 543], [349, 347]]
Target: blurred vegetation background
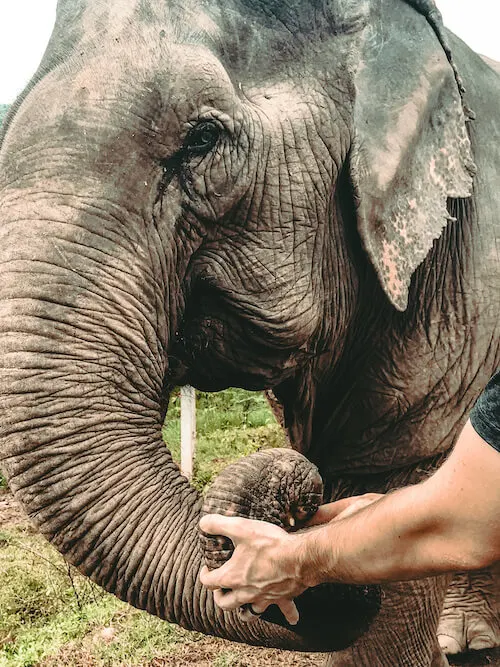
[[3, 111]]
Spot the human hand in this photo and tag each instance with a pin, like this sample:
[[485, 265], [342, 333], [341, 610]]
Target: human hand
[[340, 509], [263, 570]]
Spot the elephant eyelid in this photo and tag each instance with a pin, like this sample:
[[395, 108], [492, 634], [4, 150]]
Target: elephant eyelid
[[199, 141], [202, 138]]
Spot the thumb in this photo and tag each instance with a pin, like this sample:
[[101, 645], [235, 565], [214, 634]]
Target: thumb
[[359, 503], [329, 511]]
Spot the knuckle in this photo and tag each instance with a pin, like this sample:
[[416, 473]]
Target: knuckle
[[227, 605], [219, 598]]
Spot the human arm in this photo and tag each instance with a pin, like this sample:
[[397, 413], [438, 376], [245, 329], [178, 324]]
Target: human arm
[[449, 522]]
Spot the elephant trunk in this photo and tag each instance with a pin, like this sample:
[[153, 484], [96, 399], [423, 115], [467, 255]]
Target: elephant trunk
[[80, 381]]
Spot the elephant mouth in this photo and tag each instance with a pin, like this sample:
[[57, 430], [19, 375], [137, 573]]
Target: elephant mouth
[[213, 354], [225, 343]]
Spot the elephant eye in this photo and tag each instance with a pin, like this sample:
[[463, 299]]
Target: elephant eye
[[202, 138]]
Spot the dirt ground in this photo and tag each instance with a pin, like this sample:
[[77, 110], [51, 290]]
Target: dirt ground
[[204, 653], [11, 513]]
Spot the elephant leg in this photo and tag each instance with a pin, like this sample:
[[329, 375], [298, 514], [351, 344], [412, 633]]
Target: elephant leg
[[470, 619], [404, 632]]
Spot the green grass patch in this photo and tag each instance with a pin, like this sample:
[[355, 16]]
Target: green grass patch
[[50, 615], [227, 659], [229, 424], [43, 602], [128, 637]]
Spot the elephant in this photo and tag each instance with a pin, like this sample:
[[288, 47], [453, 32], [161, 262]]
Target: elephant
[[285, 195]]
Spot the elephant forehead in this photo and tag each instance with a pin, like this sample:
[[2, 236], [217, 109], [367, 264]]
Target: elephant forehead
[[174, 74], [120, 43], [112, 99], [286, 99], [130, 17]]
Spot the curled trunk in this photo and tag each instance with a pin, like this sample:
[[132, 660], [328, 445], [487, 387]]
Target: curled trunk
[[282, 487], [81, 379]]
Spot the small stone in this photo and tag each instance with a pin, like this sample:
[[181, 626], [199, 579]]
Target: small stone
[[107, 635]]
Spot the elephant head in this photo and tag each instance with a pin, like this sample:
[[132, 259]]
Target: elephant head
[[185, 191]]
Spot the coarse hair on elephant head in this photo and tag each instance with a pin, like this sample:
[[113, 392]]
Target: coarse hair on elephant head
[[185, 188]]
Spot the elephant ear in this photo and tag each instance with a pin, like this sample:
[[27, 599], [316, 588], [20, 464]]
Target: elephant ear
[[411, 149]]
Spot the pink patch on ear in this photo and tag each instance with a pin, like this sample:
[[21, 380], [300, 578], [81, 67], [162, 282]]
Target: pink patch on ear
[[392, 279]]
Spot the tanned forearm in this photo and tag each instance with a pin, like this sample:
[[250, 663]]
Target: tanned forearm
[[444, 524], [393, 538]]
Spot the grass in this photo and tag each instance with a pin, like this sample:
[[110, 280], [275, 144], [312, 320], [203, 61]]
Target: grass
[[50, 616], [3, 112], [230, 424], [43, 603]]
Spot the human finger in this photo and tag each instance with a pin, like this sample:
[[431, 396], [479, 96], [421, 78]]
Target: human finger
[[343, 507], [231, 526], [359, 504], [229, 600], [207, 578], [252, 611], [249, 613], [219, 578], [329, 511], [289, 610]]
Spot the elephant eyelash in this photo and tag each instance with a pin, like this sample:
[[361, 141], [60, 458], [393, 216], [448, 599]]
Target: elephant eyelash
[[202, 138]]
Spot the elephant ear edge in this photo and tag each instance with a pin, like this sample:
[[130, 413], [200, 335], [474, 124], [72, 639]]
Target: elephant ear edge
[[411, 150]]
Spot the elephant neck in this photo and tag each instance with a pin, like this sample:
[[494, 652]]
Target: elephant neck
[[389, 396]]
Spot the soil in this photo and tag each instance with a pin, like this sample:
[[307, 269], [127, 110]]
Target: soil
[[204, 652], [11, 513]]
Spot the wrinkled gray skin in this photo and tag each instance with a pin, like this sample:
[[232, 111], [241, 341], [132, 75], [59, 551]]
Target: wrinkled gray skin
[[248, 193]]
